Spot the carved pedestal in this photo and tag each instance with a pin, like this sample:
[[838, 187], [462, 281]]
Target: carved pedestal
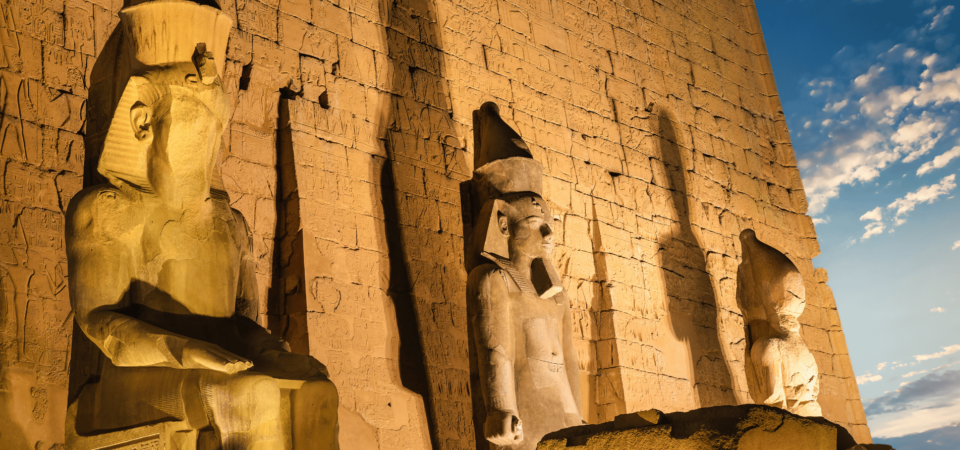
[[173, 435]]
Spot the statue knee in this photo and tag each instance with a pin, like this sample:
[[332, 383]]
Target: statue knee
[[318, 393], [245, 399]]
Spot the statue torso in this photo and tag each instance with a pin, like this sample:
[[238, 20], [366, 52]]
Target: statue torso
[[545, 398], [185, 263]]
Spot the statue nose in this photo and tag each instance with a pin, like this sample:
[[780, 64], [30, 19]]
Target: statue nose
[[547, 231]]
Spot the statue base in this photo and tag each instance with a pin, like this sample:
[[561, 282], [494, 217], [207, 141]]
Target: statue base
[[169, 435], [743, 427]]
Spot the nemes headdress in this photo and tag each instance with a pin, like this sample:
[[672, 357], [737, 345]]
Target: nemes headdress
[[177, 47]]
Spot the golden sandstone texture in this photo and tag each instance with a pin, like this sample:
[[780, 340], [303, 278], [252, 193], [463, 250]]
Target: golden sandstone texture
[[657, 123], [744, 427]]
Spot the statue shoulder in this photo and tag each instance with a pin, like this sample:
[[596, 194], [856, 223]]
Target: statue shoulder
[[486, 279], [484, 273], [99, 210]]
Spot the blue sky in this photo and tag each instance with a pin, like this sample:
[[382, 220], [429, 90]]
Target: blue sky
[[871, 92]]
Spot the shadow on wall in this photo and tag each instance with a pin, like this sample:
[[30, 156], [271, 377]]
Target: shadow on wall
[[692, 303], [412, 358]]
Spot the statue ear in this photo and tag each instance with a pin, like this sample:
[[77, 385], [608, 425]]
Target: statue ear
[[141, 118], [492, 230]]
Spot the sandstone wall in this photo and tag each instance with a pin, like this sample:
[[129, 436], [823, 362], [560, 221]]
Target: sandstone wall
[[658, 122]]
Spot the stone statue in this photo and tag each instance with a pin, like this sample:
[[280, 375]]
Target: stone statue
[[162, 268], [520, 316], [781, 371]]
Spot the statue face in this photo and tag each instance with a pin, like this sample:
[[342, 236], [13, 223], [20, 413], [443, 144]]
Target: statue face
[[182, 136], [530, 226], [186, 133]]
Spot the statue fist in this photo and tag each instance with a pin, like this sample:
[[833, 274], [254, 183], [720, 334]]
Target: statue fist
[[503, 428]]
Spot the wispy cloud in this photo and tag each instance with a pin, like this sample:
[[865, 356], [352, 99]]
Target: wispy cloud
[[956, 245], [946, 351], [940, 161], [893, 109], [867, 378], [926, 194], [881, 366], [915, 373], [938, 309]]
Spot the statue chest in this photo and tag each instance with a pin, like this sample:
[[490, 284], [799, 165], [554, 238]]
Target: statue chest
[[539, 325], [191, 268]]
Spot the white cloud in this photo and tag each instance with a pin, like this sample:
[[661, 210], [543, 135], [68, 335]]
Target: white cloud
[[864, 379], [865, 79], [917, 135], [929, 61], [938, 309], [836, 106], [826, 122], [942, 88], [806, 124], [940, 161], [854, 162], [940, 18], [946, 351], [888, 103], [926, 194], [881, 366], [956, 245], [910, 374], [872, 229], [875, 214], [820, 220]]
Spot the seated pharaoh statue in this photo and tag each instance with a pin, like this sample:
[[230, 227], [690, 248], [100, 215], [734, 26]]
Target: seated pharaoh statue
[[519, 313], [781, 370], [162, 272]]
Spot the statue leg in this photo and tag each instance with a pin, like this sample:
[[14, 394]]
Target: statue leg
[[244, 409], [314, 406]]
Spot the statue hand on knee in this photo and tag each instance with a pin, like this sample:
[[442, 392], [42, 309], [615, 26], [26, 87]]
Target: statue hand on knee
[[204, 355]]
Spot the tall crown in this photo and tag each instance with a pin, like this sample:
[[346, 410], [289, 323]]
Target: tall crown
[[502, 159], [163, 32]]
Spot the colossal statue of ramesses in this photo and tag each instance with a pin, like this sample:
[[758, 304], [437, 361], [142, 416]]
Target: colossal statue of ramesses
[[781, 371], [162, 270], [519, 313]]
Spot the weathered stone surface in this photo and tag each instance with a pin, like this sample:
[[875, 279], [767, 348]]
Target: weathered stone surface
[[780, 369], [163, 275], [658, 124], [745, 427], [519, 315]]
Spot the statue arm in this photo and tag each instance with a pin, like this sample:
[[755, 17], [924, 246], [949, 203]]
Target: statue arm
[[570, 359], [493, 334], [101, 272], [495, 341]]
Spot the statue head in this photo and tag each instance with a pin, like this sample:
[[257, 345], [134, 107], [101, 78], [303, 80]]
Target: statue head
[[514, 227], [166, 131]]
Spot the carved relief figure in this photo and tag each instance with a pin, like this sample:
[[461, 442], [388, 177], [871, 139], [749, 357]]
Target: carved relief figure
[[781, 371], [519, 314], [161, 267]]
